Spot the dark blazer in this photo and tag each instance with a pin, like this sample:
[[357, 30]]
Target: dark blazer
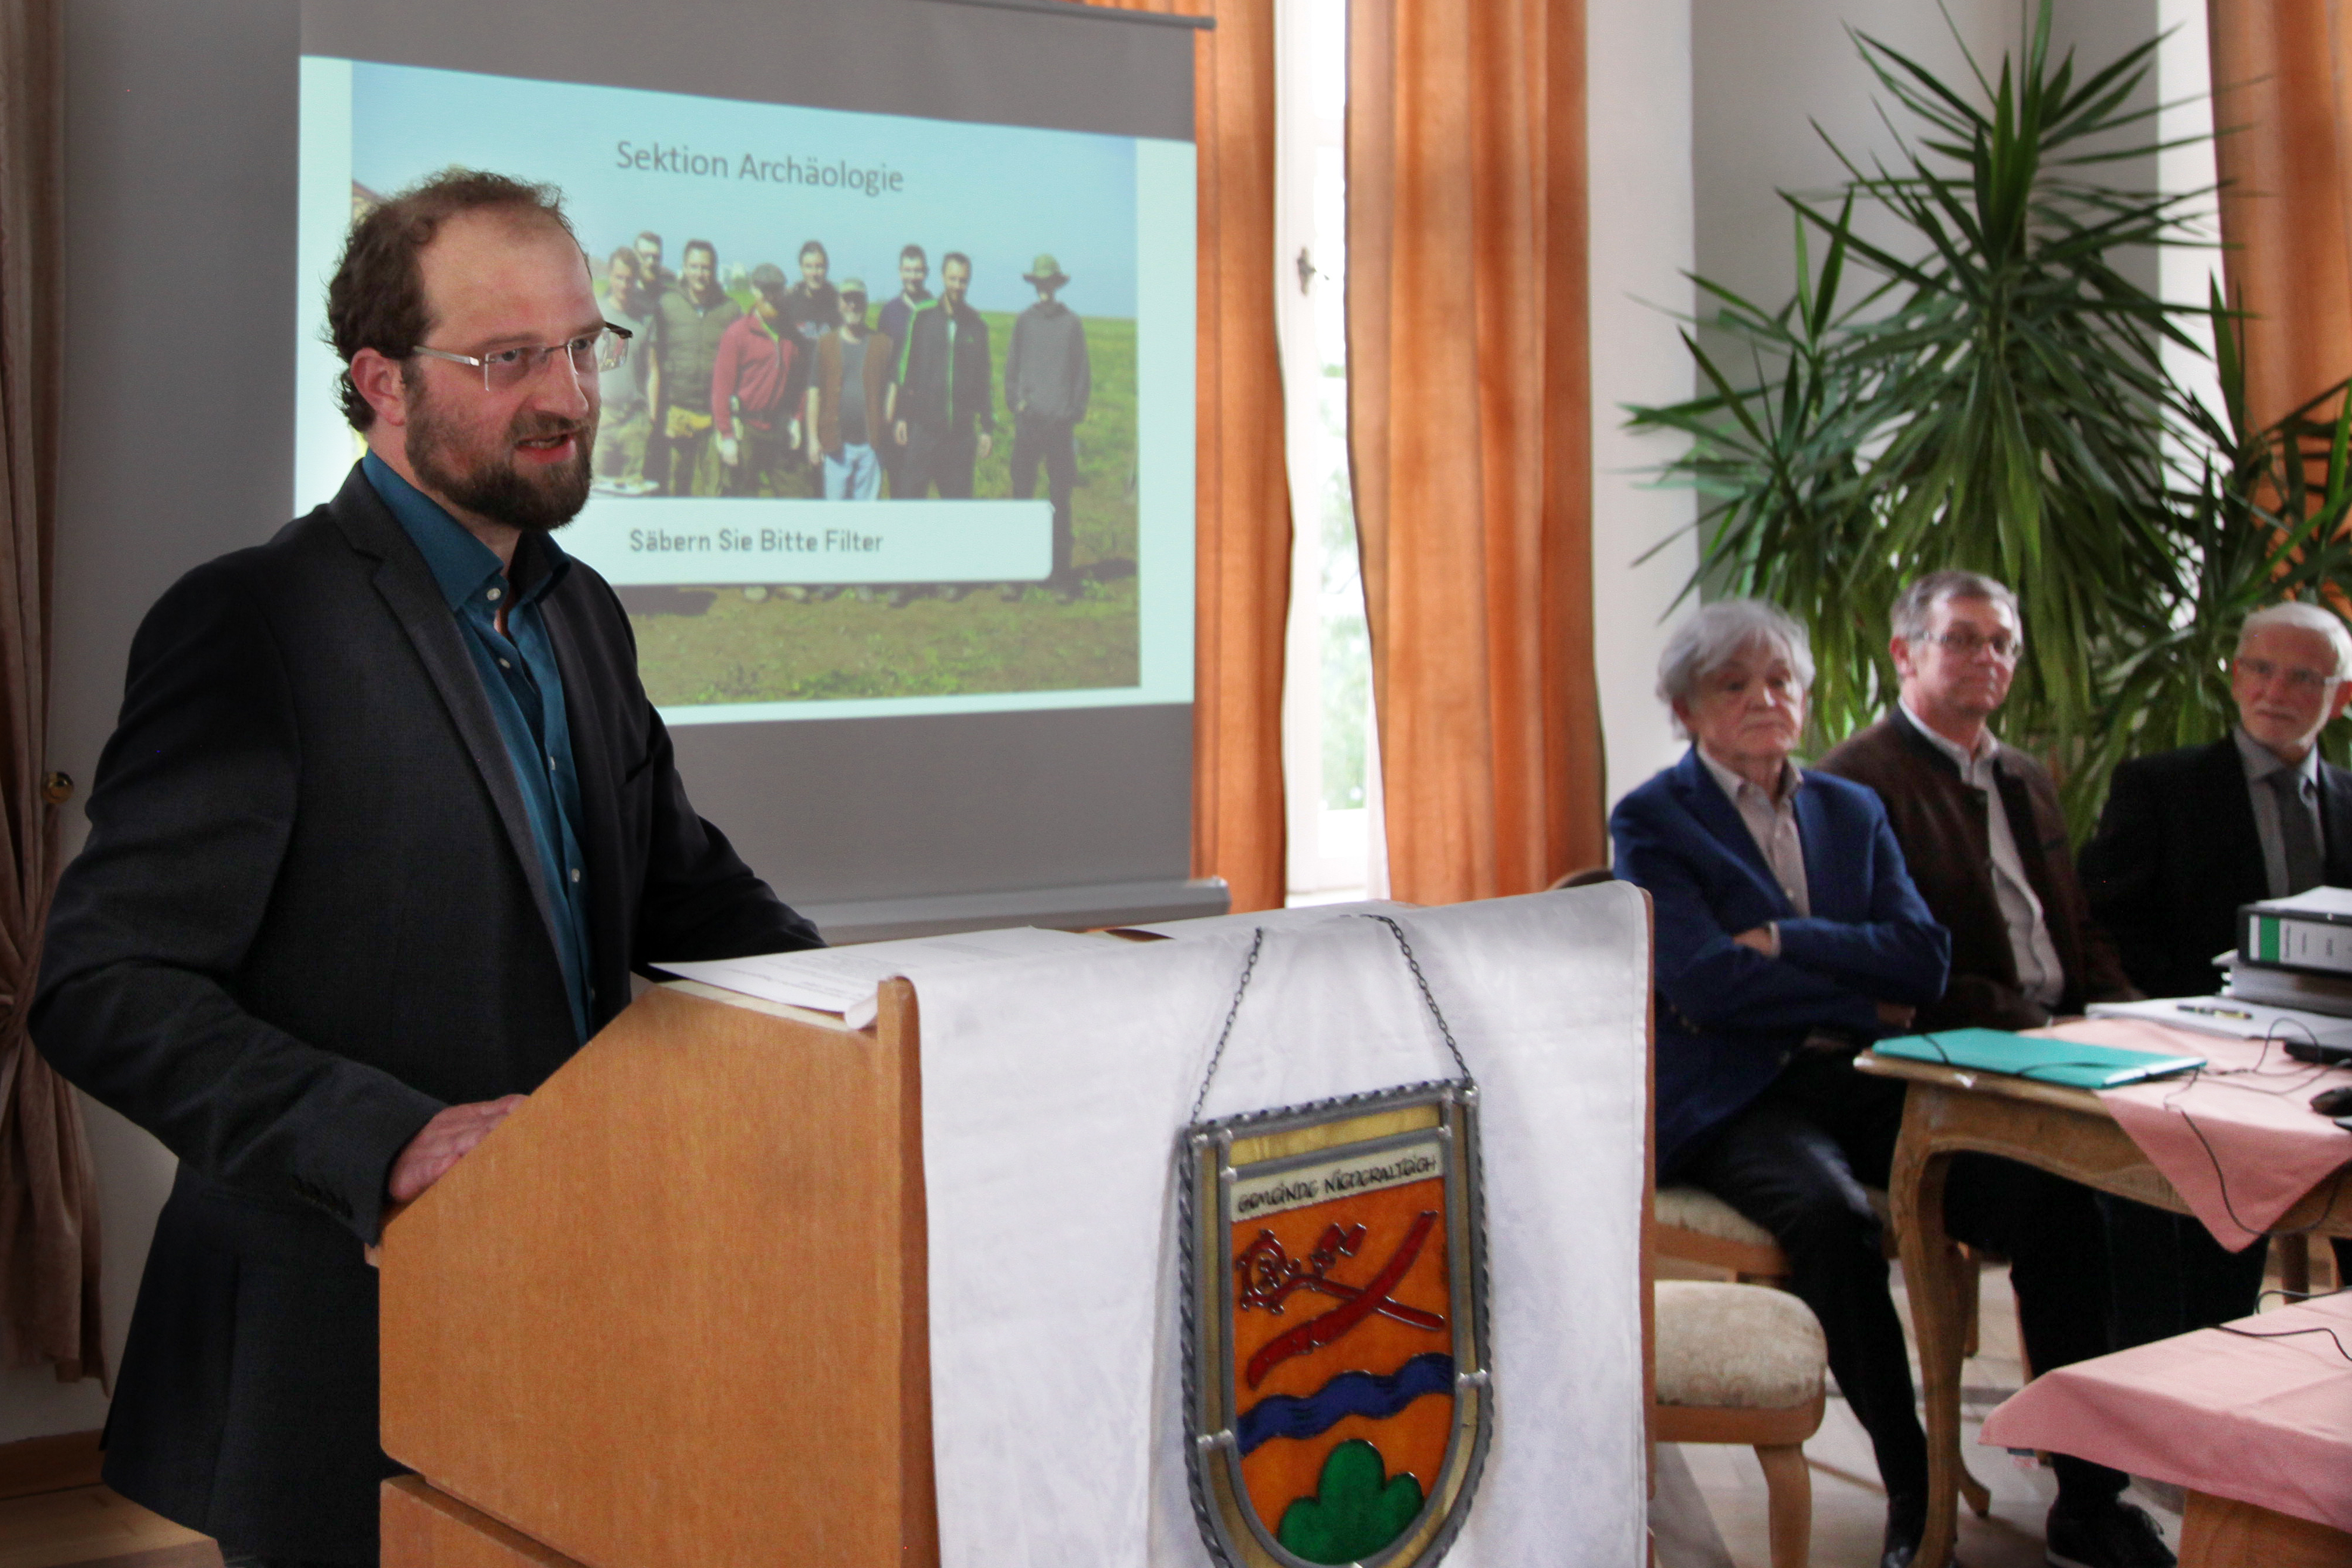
[[2177, 852], [1939, 819], [1728, 1017], [309, 916]]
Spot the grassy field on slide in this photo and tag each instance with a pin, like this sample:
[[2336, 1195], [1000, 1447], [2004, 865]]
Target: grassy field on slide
[[720, 645]]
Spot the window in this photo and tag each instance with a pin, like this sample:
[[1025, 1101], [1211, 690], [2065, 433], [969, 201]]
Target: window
[[1330, 745]]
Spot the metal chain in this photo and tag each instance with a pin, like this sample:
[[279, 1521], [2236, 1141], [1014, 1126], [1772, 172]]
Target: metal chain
[[1422, 980], [1249, 967]]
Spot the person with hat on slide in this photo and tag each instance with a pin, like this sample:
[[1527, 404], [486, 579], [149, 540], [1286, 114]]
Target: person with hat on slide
[[1047, 381]]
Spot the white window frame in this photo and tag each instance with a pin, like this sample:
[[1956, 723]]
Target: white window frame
[[1332, 853]]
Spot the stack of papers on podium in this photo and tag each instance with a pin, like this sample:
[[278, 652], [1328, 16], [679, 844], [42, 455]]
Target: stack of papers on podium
[[2072, 1063], [842, 979]]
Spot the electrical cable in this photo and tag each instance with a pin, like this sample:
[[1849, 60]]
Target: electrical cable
[[2287, 1334], [2222, 1077]]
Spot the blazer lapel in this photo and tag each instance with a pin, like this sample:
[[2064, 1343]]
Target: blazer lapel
[[2236, 849], [591, 764], [1714, 810], [2336, 820], [407, 588], [1826, 878]]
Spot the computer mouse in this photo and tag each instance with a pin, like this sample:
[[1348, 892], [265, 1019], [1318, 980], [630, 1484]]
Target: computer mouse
[[2332, 1102]]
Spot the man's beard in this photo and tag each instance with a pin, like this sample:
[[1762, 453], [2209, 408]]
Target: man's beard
[[494, 486]]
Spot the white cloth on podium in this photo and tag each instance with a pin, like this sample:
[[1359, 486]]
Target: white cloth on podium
[[1054, 1091]]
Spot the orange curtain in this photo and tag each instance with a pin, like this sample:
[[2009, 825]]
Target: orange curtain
[[2282, 119], [1469, 425], [48, 1192], [1243, 548]]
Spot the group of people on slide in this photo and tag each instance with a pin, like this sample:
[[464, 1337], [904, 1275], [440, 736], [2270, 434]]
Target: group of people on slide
[[1919, 877], [792, 391]]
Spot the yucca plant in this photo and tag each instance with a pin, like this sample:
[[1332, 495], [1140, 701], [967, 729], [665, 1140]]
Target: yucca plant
[[1995, 398], [2268, 516]]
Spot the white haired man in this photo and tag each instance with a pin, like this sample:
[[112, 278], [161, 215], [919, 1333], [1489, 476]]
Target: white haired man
[[1787, 934], [2188, 836]]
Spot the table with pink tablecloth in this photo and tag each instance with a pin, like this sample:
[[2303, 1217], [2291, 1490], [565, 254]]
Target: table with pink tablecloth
[[2263, 1421], [2240, 1142]]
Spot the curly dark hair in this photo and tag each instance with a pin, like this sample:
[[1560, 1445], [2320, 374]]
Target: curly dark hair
[[377, 299]]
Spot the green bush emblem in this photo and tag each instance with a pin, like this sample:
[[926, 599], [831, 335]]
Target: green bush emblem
[[1355, 1510]]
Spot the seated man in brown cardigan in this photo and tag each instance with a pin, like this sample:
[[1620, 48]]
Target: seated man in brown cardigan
[[1986, 844], [1979, 822]]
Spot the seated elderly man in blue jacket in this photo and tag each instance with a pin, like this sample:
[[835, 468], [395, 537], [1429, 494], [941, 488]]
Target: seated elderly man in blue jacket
[[1788, 935]]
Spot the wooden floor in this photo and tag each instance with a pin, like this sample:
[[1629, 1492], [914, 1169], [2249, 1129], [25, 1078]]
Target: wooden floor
[[91, 1527]]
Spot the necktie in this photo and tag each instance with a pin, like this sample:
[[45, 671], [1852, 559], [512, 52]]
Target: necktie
[[2305, 866]]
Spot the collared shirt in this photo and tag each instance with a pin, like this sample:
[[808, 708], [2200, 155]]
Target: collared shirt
[[1771, 821], [2039, 974], [525, 688], [2261, 763]]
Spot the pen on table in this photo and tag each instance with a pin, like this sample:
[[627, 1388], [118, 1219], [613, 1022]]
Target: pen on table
[[2215, 1012]]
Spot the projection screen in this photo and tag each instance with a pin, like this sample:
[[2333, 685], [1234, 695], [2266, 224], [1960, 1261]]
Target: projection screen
[[896, 483]]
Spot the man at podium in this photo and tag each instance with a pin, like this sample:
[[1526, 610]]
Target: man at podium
[[384, 826]]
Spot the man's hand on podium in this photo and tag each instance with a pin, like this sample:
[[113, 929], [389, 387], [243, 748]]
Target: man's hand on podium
[[438, 1146], [441, 1142]]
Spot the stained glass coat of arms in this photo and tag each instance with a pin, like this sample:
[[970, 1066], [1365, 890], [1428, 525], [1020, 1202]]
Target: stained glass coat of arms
[[1338, 1398]]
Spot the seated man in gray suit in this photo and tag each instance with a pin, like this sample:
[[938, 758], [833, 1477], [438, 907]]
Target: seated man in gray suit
[[2188, 836]]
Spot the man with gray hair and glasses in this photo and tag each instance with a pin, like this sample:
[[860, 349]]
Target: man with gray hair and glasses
[[1983, 835], [1978, 821], [2188, 836]]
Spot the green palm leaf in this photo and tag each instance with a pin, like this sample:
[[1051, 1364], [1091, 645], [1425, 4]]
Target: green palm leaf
[[1994, 396]]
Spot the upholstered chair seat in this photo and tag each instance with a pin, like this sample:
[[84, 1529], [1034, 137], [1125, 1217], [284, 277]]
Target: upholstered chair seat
[[1741, 1363], [1737, 1347]]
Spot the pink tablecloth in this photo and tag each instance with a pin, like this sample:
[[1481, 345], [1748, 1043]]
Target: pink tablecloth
[[2262, 1146], [2263, 1421]]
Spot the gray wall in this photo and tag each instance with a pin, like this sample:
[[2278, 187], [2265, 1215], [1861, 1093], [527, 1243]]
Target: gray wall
[[1765, 74]]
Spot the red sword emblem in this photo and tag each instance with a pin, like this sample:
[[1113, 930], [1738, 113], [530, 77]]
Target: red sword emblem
[[1276, 1276]]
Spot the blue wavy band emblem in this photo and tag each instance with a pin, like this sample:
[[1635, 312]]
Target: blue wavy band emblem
[[1349, 1393]]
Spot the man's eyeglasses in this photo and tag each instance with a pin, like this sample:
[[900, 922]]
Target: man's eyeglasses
[[2299, 680], [1966, 644], [510, 368]]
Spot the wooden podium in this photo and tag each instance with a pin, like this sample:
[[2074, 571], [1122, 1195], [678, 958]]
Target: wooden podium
[[672, 1314]]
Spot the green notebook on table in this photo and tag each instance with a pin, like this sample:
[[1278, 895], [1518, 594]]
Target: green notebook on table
[[2074, 1063]]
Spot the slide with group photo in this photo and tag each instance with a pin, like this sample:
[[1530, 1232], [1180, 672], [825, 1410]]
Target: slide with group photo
[[905, 422]]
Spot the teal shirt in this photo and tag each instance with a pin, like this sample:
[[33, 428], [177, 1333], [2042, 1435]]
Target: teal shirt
[[519, 676]]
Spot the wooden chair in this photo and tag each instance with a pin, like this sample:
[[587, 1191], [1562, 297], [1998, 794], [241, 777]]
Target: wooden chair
[[1692, 1226], [1739, 1364]]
